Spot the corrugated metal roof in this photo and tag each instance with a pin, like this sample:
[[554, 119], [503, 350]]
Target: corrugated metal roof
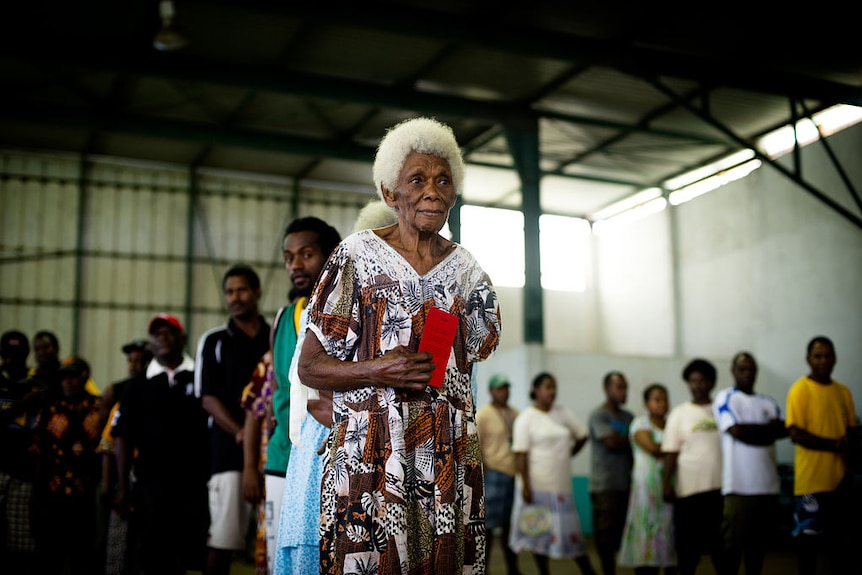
[[305, 90]]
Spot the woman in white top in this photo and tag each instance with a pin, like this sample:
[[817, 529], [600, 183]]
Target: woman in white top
[[692, 471], [544, 519]]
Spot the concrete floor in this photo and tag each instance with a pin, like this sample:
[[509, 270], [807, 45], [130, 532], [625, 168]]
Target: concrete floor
[[779, 561]]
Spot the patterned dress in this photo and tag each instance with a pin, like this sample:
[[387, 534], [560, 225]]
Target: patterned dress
[[648, 534], [255, 397], [402, 489]]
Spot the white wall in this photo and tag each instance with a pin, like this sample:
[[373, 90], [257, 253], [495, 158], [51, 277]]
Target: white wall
[[759, 265]]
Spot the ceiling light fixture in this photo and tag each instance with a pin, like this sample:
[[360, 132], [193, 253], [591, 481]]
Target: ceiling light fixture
[[167, 38]]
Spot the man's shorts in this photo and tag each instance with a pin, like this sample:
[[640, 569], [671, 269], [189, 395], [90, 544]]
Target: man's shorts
[[821, 513], [229, 512]]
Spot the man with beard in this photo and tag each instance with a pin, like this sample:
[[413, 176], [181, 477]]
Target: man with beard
[[226, 357], [306, 244]]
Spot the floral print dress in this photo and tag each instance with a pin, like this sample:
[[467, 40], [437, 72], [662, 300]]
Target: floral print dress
[[402, 490], [648, 533]]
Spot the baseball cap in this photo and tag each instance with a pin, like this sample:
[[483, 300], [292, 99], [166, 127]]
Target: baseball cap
[[136, 345], [167, 318], [498, 380], [73, 365], [14, 343]]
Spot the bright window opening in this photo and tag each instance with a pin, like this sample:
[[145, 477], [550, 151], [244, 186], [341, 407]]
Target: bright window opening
[[495, 237], [565, 246]]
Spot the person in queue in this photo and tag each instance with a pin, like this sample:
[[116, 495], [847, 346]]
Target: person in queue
[[402, 490]]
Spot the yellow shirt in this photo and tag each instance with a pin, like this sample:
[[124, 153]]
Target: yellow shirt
[[826, 411], [93, 389], [494, 427]]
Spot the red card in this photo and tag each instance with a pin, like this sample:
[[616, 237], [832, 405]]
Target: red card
[[437, 339]]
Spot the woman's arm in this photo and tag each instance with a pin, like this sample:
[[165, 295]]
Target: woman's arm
[[252, 481], [644, 440], [398, 368], [523, 467], [579, 444], [667, 474]]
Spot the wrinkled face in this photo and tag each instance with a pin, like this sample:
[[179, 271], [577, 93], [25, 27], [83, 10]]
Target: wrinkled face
[[656, 403], [240, 298], [303, 260], [821, 360], [424, 193], [744, 372], [166, 342], [617, 389], [700, 386]]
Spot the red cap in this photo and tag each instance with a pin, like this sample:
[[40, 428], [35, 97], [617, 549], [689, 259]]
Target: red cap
[[167, 318]]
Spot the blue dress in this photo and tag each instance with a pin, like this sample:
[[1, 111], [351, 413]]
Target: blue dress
[[298, 542]]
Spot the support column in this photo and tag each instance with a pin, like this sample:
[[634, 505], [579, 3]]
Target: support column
[[523, 140]]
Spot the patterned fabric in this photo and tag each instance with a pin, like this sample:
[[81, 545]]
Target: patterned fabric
[[15, 497], [648, 535], [402, 487], [71, 466], [299, 546], [255, 398], [116, 551]]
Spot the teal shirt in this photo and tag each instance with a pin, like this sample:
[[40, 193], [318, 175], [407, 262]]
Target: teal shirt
[[283, 346]]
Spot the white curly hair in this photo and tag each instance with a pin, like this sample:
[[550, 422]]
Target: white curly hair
[[423, 135], [376, 214]]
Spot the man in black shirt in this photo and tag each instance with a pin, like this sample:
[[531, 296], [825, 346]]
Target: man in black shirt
[[226, 358], [161, 419]]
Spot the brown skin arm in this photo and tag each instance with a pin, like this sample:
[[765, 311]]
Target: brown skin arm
[[808, 440], [523, 467], [106, 404], [321, 409], [667, 475], [108, 467], [579, 444], [123, 459], [615, 441], [759, 434], [252, 481], [644, 440], [399, 369], [222, 416]]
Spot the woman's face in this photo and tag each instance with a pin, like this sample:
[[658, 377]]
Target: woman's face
[[546, 393], [700, 387], [656, 403], [424, 193]]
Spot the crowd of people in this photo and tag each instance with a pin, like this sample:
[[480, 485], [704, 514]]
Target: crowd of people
[[672, 485], [343, 437]]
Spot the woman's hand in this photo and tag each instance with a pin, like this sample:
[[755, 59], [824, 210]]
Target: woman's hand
[[406, 372], [527, 494], [399, 368]]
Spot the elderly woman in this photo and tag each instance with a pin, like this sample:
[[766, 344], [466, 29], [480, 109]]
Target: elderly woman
[[402, 489]]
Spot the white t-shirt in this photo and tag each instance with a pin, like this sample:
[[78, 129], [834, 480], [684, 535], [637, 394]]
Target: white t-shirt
[[747, 469], [691, 431], [547, 438]]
